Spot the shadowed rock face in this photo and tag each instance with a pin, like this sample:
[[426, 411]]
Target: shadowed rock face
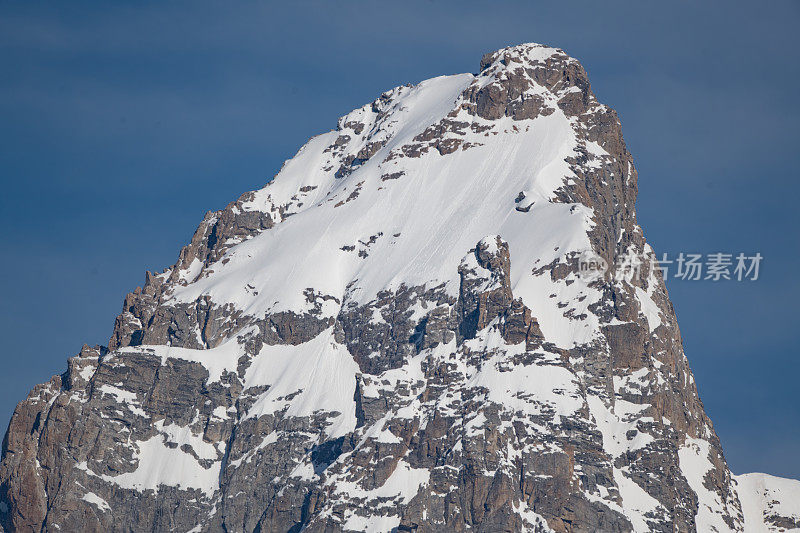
[[395, 335]]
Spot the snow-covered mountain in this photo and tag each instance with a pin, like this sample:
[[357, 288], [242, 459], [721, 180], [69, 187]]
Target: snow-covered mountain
[[396, 334]]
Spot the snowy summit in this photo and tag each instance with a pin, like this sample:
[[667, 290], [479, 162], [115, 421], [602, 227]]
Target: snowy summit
[[395, 334]]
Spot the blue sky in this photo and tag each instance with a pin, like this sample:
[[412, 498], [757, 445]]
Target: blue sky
[[121, 124]]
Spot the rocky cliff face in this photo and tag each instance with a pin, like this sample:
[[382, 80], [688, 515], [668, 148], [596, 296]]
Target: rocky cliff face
[[396, 334]]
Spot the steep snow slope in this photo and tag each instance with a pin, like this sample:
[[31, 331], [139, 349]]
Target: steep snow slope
[[769, 503], [395, 334], [421, 223]]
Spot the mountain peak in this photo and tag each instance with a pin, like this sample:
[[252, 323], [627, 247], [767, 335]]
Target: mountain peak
[[395, 334], [527, 54]]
